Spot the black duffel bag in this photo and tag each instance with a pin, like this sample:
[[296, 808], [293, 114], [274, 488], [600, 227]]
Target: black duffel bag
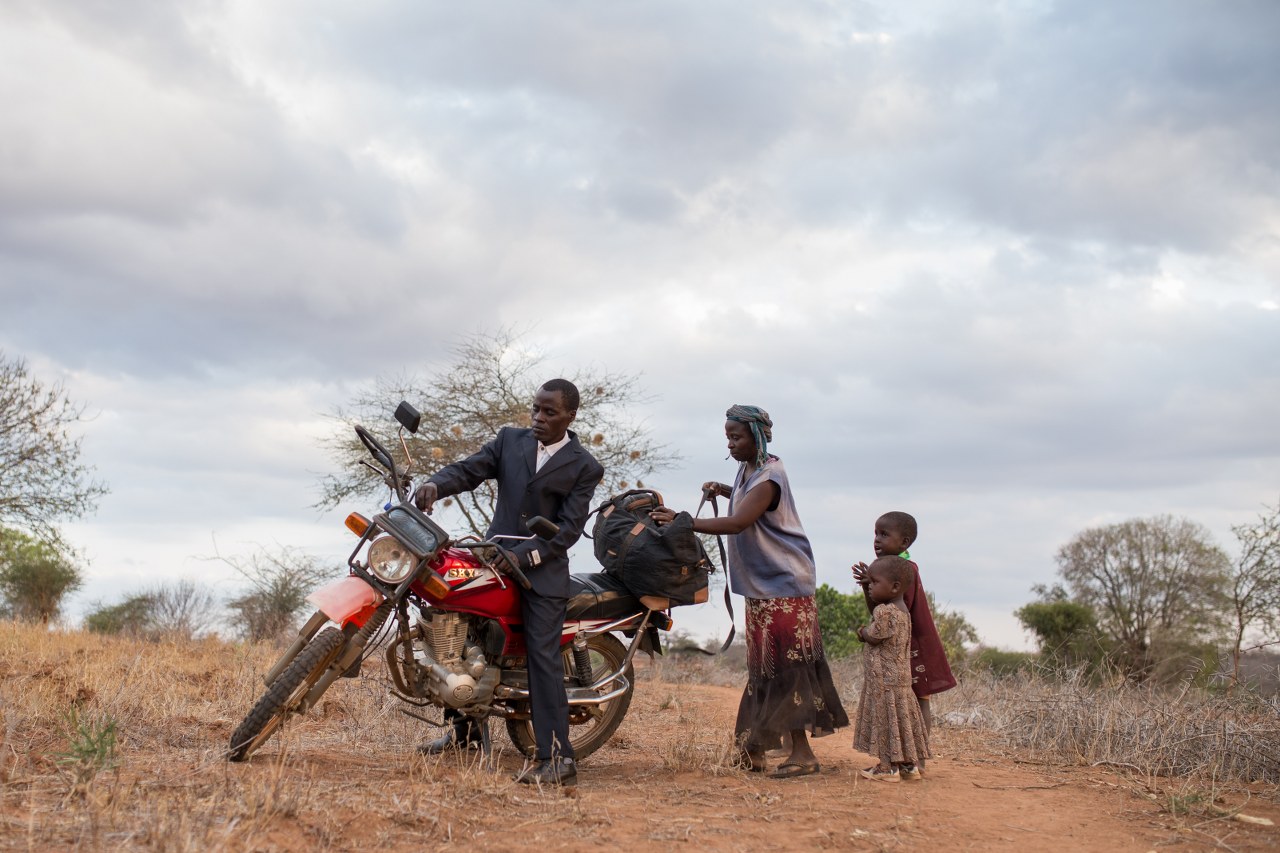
[[667, 561]]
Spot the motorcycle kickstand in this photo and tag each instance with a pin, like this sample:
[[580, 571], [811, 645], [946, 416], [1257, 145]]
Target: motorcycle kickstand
[[486, 747]]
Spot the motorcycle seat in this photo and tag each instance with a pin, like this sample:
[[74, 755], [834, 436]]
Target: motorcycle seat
[[600, 596]]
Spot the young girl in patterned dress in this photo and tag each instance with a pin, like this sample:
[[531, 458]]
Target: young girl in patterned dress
[[895, 532], [889, 723]]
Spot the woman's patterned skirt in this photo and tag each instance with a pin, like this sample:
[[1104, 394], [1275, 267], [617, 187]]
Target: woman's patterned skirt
[[789, 684]]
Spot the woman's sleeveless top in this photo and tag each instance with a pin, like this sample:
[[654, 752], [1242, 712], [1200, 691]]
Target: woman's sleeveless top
[[772, 558]]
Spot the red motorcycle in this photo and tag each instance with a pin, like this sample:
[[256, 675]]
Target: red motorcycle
[[456, 640]]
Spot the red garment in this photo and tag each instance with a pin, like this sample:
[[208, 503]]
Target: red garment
[[930, 672]]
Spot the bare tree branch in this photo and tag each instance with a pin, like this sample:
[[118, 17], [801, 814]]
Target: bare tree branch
[[42, 479], [488, 385]]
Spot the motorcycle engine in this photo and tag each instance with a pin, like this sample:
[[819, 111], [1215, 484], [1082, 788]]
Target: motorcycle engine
[[456, 671]]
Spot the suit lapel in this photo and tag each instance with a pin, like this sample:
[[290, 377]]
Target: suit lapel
[[562, 457], [528, 451]]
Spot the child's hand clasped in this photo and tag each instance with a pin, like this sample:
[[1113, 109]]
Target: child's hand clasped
[[860, 574]]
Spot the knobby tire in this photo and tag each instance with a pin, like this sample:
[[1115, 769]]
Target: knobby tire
[[286, 693]]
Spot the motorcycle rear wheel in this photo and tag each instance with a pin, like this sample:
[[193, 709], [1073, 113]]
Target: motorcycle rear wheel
[[607, 654], [286, 693]]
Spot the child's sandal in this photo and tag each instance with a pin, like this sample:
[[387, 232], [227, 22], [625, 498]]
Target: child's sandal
[[878, 775]]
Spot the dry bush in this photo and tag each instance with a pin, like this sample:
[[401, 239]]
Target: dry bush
[[1145, 728], [1151, 730]]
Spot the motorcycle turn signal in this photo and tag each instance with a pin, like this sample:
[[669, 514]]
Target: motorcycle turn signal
[[435, 584], [357, 523]]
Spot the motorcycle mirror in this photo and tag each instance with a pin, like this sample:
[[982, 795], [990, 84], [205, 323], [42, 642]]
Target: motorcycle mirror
[[408, 416], [542, 527], [376, 450]]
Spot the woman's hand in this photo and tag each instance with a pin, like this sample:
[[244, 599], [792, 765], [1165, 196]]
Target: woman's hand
[[860, 574], [663, 515], [711, 487]]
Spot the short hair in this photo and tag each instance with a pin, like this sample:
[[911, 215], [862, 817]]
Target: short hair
[[895, 569], [567, 389], [902, 522]]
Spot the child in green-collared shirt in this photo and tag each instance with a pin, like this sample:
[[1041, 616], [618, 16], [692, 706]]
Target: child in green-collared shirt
[[895, 532]]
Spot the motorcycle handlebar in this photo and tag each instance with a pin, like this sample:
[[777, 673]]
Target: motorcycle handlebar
[[506, 562], [520, 576]]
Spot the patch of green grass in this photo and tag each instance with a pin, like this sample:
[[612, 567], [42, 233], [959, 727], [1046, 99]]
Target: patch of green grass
[[91, 748]]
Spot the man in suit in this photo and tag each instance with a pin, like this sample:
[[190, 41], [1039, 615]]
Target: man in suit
[[545, 471]]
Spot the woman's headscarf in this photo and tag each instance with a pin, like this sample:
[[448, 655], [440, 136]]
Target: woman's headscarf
[[757, 420]]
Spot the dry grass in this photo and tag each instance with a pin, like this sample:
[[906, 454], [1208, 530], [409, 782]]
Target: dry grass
[[1158, 732], [118, 744], [110, 743], [172, 707], [1153, 731]]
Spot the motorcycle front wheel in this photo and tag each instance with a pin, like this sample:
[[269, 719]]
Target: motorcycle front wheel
[[589, 729], [286, 693]]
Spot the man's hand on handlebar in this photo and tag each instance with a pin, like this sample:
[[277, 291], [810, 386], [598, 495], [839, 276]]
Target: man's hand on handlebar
[[425, 496], [505, 559], [510, 564]]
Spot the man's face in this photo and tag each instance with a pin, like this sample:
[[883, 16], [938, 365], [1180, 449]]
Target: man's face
[[549, 417]]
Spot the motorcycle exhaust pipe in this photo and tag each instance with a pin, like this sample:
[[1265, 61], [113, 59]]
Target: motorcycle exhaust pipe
[[579, 696]]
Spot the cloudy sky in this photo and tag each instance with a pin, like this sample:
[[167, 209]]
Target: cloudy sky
[[1011, 266]]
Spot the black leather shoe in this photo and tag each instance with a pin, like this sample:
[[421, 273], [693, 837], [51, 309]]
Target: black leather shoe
[[550, 771], [447, 742]]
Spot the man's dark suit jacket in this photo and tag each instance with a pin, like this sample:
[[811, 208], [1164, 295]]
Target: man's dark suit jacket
[[560, 492]]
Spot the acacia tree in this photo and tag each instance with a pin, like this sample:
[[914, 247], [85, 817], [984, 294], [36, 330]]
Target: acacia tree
[[489, 385], [1157, 586], [35, 577], [1066, 631], [279, 583], [1255, 585], [41, 477]]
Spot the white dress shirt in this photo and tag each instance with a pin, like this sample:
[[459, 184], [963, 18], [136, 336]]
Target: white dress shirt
[[546, 451]]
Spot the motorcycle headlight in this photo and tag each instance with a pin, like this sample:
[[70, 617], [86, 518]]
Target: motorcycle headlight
[[389, 561]]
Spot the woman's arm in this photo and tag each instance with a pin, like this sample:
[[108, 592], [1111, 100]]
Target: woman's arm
[[746, 512]]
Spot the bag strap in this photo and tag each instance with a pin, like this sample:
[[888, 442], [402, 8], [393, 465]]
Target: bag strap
[[640, 499], [636, 529], [708, 494]]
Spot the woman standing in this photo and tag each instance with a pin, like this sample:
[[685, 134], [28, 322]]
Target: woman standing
[[789, 688]]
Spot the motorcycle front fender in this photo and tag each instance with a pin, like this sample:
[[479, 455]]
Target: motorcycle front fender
[[349, 600]]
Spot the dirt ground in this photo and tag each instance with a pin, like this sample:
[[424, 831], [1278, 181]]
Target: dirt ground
[[346, 778], [649, 791]]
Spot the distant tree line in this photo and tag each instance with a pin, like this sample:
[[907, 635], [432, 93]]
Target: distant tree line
[[1155, 599], [268, 608]]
